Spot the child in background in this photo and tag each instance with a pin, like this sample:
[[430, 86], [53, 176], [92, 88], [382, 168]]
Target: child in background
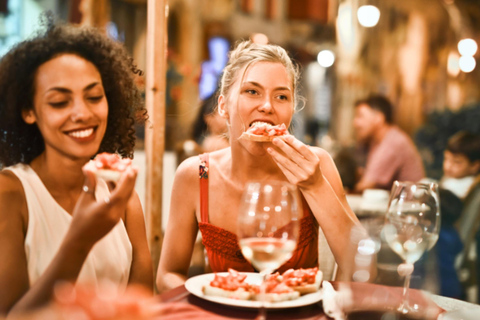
[[461, 163]]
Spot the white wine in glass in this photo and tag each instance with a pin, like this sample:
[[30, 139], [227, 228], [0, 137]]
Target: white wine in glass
[[412, 225], [268, 226]]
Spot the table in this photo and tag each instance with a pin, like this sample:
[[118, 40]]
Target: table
[[365, 208], [180, 294], [314, 311]]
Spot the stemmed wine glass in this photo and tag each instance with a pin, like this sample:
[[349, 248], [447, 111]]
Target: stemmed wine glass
[[268, 227], [411, 227]]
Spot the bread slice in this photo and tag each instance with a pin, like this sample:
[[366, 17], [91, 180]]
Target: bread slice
[[256, 137], [311, 287], [278, 297], [239, 294], [108, 175]]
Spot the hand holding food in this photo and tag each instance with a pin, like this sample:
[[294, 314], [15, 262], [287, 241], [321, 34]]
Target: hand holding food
[[108, 166]]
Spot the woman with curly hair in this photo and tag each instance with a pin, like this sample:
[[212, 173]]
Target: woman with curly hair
[[65, 95]]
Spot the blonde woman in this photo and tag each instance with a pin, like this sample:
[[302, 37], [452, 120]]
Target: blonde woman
[[259, 84]]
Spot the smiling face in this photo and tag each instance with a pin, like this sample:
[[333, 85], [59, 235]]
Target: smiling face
[[264, 94], [70, 106]]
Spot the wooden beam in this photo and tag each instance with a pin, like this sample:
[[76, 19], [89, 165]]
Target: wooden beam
[[155, 128]]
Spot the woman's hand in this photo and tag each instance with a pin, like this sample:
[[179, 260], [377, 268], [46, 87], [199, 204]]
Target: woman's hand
[[92, 218], [297, 161]]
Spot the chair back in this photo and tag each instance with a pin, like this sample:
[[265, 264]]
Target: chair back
[[468, 223]]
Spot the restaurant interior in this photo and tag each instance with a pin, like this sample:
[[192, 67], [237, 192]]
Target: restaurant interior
[[421, 55]]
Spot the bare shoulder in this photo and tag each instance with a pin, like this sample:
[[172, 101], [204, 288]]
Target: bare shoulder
[[322, 154], [12, 196], [188, 170], [10, 185]]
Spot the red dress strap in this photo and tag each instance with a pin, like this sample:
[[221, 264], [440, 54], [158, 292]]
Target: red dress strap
[[203, 173]]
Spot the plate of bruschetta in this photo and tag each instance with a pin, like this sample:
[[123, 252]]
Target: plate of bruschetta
[[293, 288]]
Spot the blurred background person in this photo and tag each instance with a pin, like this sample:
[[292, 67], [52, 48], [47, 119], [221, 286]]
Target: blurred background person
[[209, 128], [390, 153], [461, 163]]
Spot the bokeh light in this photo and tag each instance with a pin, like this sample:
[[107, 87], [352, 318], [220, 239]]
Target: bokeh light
[[467, 63], [326, 58], [467, 47], [368, 16]]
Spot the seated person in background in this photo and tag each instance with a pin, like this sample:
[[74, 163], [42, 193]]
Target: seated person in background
[[259, 84], [391, 153], [210, 129], [65, 95], [347, 169], [461, 163]]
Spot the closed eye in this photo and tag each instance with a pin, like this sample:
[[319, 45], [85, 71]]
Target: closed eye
[[95, 98], [59, 104]]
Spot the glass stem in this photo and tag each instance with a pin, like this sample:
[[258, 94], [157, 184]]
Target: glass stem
[[262, 313], [404, 308]]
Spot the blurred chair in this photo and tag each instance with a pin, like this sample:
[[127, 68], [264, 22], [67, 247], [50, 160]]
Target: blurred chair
[[466, 262]]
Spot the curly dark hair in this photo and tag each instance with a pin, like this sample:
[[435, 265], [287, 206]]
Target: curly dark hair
[[21, 142]]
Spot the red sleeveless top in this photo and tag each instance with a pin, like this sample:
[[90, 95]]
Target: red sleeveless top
[[222, 246]]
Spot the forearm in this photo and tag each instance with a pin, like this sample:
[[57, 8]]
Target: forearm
[[142, 272], [335, 219], [65, 266], [169, 280]]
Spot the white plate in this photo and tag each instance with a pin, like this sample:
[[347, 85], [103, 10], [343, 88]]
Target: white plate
[[195, 284]]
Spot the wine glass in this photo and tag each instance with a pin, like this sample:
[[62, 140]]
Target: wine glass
[[411, 227], [268, 227]]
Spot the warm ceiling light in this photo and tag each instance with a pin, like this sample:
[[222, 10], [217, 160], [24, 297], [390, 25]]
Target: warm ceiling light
[[467, 63], [259, 38], [326, 58], [467, 47], [368, 16]]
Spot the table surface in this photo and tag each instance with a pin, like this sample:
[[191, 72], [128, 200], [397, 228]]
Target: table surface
[[366, 208], [180, 294], [314, 311]]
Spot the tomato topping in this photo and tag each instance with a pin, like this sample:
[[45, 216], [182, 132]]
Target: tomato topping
[[264, 129], [231, 282], [111, 161], [299, 277]]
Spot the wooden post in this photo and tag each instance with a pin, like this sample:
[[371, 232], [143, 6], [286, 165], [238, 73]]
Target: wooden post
[[155, 128]]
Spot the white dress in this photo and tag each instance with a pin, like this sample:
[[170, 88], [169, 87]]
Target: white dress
[[48, 222]]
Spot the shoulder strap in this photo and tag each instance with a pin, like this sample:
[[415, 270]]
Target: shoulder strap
[[203, 174]]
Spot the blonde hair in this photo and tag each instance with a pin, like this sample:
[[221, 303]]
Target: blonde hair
[[247, 53]]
